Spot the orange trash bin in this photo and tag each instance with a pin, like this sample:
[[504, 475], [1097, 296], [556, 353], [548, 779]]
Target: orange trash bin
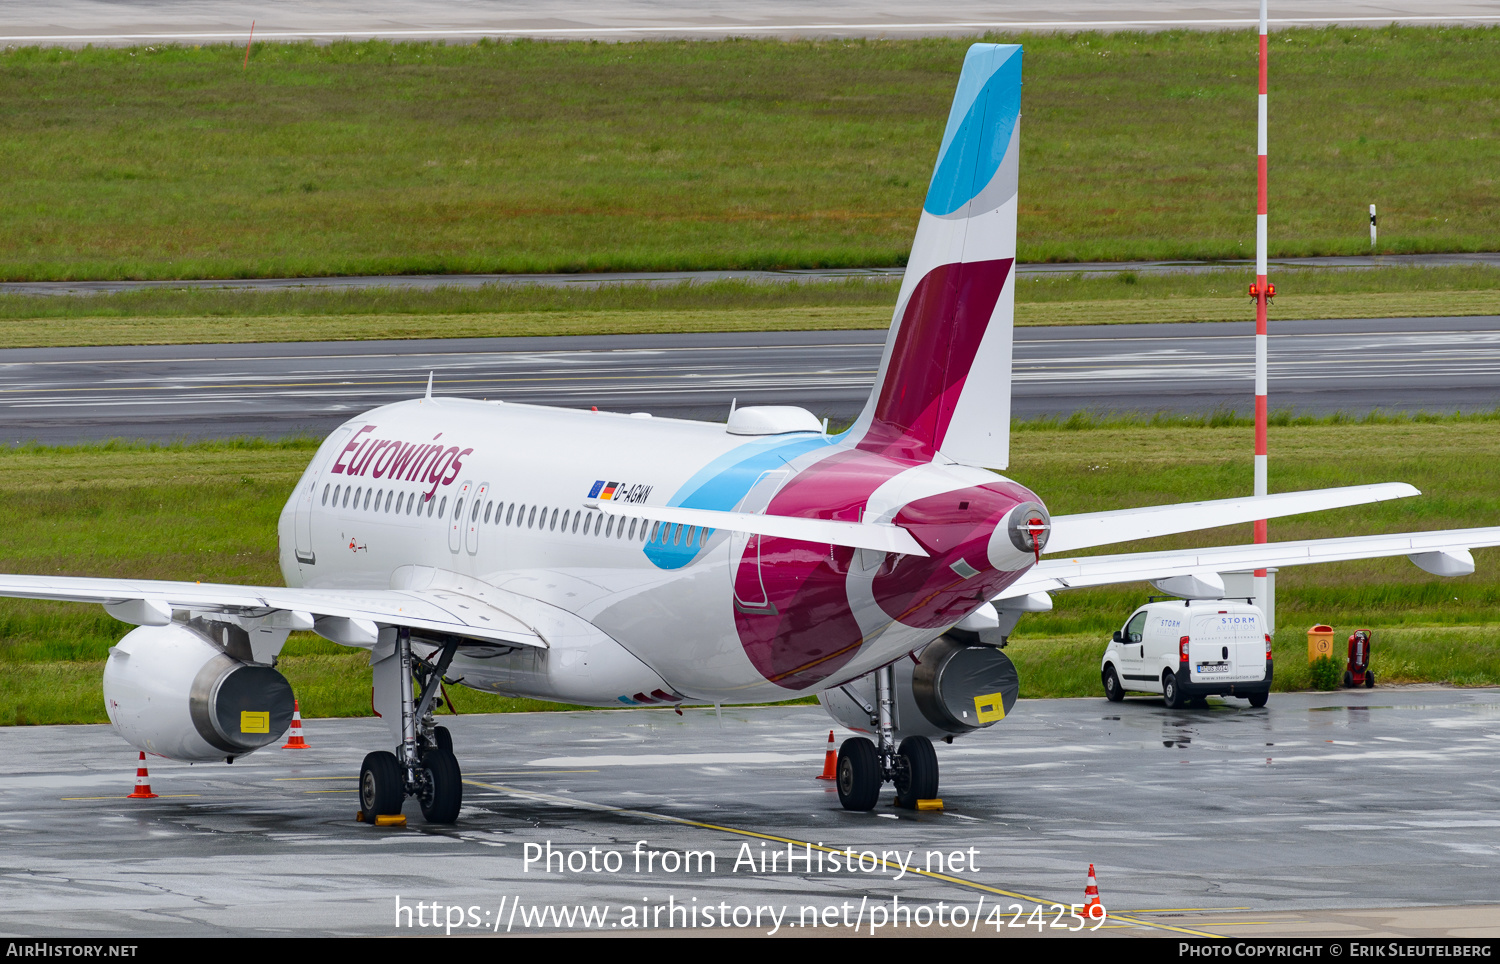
[[1319, 642]]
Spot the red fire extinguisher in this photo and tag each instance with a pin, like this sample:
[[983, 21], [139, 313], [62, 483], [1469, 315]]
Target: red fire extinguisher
[[1357, 673]]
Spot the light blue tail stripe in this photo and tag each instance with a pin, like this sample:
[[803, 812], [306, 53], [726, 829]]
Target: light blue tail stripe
[[984, 113]]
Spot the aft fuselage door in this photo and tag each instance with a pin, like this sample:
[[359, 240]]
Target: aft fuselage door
[[744, 548], [457, 520], [474, 518], [307, 498]]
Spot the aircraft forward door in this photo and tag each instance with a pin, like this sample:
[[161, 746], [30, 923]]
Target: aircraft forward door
[[744, 549], [458, 519], [475, 520], [307, 498]]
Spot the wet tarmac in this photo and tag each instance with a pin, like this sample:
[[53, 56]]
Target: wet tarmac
[[1299, 818]]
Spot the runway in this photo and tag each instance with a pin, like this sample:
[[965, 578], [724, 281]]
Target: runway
[[202, 21], [1346, 813], [1089, 269], [215, 391]]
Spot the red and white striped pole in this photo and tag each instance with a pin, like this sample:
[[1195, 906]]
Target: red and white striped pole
[[1262, 295]]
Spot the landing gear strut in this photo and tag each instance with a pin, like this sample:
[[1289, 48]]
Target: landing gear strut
[[423, 765], [863, 766]]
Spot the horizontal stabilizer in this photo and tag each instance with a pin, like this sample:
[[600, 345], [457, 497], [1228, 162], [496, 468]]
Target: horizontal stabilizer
[[1071, 532], [881, 537], [1423, 547]]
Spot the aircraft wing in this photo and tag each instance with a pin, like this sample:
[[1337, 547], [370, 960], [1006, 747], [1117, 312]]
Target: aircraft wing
[[880, 536], [425, 602], [1070, 532], [1442, 552]]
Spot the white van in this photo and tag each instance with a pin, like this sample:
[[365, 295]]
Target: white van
[[1190, 649]]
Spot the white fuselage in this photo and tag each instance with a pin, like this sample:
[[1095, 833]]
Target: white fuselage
[[500, 493]]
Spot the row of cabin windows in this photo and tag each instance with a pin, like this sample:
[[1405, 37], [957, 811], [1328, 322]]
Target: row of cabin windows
[[345, 497], [357, 497]]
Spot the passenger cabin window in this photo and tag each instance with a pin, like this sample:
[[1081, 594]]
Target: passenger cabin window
[[488, 507], [442, 507], [325, 494]]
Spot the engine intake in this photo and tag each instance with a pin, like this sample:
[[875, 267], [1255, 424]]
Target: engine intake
[[174, 691], [952, 689]]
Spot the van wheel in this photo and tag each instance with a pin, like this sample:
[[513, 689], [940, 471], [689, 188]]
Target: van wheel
[[1113, 691], [1170, 694], [1258, 700]]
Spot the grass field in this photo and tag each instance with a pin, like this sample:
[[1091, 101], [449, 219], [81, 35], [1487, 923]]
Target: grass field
[[361, 158], [208, 512], [197, 316]]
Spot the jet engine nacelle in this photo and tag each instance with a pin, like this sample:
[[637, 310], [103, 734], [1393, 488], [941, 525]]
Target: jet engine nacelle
[[949, 689], [170, 690]]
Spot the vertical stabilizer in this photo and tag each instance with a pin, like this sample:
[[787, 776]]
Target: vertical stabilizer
[[944, 381]]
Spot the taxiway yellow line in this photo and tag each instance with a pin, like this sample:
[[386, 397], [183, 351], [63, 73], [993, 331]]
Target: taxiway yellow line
[[758, 835]]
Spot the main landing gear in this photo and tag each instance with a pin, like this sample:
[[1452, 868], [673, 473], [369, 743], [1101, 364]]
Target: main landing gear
[[424, 765], [863, 766]]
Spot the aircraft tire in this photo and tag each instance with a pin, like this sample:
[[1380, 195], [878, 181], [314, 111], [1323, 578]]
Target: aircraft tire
[[381, 787], [859, 775], [443, 738], [920, 780], [442, 792]]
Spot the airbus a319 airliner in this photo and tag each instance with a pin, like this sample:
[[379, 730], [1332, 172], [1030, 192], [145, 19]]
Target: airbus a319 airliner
[[624, 560]]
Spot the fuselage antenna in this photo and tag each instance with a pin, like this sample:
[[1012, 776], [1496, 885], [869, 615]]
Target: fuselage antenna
[[429, 385]]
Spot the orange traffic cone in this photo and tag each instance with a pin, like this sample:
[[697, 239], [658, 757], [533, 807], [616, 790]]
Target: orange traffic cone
[[830, 761], [295, 741], [1091, 898], [142, 781]]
